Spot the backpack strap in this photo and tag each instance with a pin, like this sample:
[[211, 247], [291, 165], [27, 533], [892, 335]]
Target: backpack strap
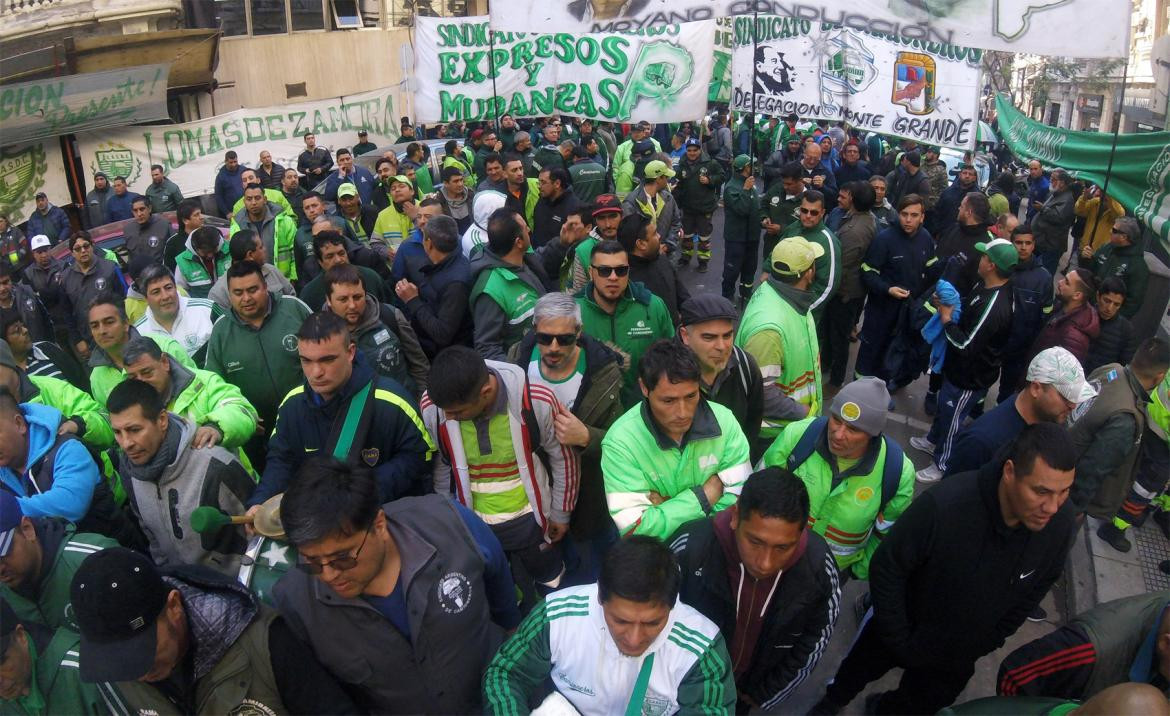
[[891, 471], [807, 444]]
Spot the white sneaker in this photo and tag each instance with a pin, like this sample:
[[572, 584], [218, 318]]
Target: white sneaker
[[929, 474], [923, 444]]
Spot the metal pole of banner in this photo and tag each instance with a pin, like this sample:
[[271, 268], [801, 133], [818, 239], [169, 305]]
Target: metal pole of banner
[[492, 67], [752, 119], [1112, 152]]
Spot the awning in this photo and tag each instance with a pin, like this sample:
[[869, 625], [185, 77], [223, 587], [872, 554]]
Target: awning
[[192, 54]]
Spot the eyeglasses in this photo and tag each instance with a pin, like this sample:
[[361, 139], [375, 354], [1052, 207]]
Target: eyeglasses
[[81, 247], [562, 339], [607, 271], [339, 564], [810, 212], [1118, 231]]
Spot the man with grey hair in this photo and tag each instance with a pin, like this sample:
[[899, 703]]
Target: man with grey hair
[[586, 377], [523, 148], [435, 294], [1124, 258], [1054, 218]]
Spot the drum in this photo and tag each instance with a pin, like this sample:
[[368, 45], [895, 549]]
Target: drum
[[264, 563]]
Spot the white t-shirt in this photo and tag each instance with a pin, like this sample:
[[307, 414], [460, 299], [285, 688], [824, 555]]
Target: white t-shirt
[[566, 390]]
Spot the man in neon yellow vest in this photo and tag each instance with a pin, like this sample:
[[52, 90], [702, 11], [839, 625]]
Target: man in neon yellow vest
[[1153, 466], [777, 329]]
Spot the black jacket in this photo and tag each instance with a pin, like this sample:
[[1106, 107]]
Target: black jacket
[[800, 617], [549, 216], [1115, 343], [975, 344], [660, 276], [951, 581], [740, 389]]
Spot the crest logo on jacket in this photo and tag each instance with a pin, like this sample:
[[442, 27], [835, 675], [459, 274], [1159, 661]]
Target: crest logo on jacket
[[289, 342], [370, 456], [251, 707], [454, 592], [99, 283]]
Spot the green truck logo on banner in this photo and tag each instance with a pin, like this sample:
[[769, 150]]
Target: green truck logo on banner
[[116, 160], [661, 70], [21, 174]]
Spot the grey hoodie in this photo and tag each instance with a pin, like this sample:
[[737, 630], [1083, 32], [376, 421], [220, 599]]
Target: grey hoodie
[[179, 478]]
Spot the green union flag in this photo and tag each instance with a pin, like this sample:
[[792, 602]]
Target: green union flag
[[1141, 167]]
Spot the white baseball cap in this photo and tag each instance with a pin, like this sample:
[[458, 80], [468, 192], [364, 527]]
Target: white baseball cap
[[40, 241], [1061, 369]]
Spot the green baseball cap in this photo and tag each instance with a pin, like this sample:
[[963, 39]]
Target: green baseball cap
[[401, 179], [794, 255], [1001, 252], [658, 168], [741, 161], [347, 189]]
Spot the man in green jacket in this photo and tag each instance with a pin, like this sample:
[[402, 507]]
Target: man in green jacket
[[842, 460], [39, 559], [620, 313], [202, 262], [82, 415], [277, 230], [674, 457], [811, 226], [111, 332], [741, 229], [1124, 258], [699, 180], [781, 204], [778, 331], [217, 409], [41, 674], [255, 348]]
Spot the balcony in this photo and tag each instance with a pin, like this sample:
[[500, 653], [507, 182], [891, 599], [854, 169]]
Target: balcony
[[26, 21]]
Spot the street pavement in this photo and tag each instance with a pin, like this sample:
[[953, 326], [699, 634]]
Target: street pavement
[[907, 420]]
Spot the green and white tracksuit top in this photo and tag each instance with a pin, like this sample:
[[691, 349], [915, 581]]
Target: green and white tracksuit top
[[193, 276], [637, 458], [566, 639], [845, 499], [511, 480], [793, 362]]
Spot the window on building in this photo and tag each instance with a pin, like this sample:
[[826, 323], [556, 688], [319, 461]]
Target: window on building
[[307, 14], [268, 17]]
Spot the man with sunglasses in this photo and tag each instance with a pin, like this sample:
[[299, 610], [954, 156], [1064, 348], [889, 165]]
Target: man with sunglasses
[[620, 313], [586, 377], [83, 280], [1124, 258], [810, 225], [404, 603]]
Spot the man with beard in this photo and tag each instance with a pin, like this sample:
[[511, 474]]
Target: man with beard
[[607, 216]]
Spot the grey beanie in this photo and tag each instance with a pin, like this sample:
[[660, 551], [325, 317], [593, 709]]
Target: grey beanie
[[6, 357], [863, 404]]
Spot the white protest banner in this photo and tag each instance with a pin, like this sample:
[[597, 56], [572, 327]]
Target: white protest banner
[[661, 75], [1083, 28], [894, 86], [26, 169], [193, 152], [77, 103]]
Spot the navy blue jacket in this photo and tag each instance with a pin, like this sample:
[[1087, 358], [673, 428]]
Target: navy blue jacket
[[118, 207], [396, 446], [360, 178], [977, 444], [858, 172], [895, 259], [1037, 191], [1032, 293], [227, 190], [946, 209], [54, 223], [441, 313]]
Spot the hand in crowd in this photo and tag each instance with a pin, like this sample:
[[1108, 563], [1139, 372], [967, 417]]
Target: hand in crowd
[[770, 227], [899, 292], [570, 430], [410, 209], [1086, 252], [69, 427], [749, 183], [713, 489], [818, 181], [406, 290], [206, 436], [82, 350], [945, 313], [249, 527], [557, 530]]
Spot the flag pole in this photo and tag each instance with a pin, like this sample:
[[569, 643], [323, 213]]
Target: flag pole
[[1112, 153], [752, 118], [492, 67]]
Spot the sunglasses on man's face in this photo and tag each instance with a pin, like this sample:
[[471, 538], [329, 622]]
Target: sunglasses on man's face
[[607, 271], [562, 339], [338, 564]]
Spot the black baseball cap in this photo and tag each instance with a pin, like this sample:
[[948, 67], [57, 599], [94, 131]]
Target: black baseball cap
[[117, 595], [706, 307]]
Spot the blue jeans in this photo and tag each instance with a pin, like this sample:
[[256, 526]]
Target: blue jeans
[[954, 404]]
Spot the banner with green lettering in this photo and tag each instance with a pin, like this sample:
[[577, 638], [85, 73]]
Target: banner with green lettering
[[1140, 178], [192, 153], [658, 75], [79, 103]]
